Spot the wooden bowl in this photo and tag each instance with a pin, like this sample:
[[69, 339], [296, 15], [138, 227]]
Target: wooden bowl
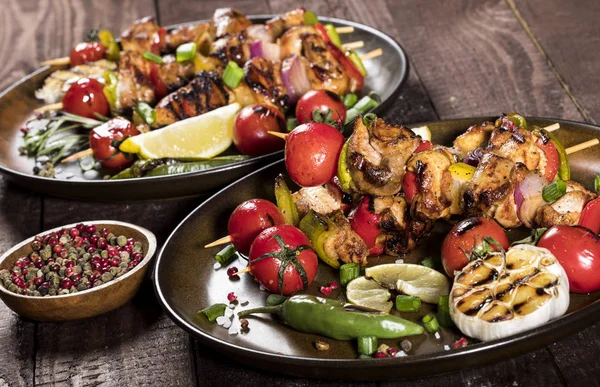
[[87, 303]]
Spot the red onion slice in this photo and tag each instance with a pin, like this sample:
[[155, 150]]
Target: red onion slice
[[269, 51], [259, 32], [256, 49], [294, 77], [528, 197]]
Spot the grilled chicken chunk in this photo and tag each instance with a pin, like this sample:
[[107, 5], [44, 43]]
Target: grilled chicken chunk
[[227, 21], [231, 48], [377, 155], [204, 93], [477, 136], [344, 244], [264, 78], [435, 180], [322, 199], [175, 74], [490, 192], [203, 34], [139, 37], [290, 19], [567, 209], [134, 81], [325, 71], [291, 41], [519, 147]]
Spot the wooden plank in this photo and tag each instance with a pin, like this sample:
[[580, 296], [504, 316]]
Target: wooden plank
[[569, 38], [20, 215], [200, 10]]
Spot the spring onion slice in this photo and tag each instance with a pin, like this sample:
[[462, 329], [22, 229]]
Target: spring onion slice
[[369, 118], [349, 100], [597, 183], [364, 105], [554, 190], [146, 112], [357, 62], [406, 303], [348, 272], [333, 35], [213, 311], [367, 345], [233, 74], [152, 57], [186, 52], [431, 323], [444, 312], [226, 255]]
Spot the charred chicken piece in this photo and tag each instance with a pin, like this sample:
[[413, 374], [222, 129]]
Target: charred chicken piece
[[264, 78], [490, 192], [435, 182], [323, 199], [477, 136], [519, 146], [228, 21], [204, 93], [325, 71], [343, 243], [139, 37], [279, 24], [134, 84], [377, 155], [175, 74], [231, 48], [203, 34], [291, 41], [567, 209]]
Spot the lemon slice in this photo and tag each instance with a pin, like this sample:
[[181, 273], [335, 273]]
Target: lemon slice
[[203, 136], [424, 132], [415, 280], [365, 292]]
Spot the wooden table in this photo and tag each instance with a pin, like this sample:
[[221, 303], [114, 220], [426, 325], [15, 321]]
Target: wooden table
[[467, 58]]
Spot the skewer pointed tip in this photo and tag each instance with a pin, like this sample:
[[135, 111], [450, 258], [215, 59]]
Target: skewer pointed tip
[[47, 108], [220, 241], [278, 134]]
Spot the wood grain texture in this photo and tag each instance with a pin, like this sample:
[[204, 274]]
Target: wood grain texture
[[180, 12], [570, 44]]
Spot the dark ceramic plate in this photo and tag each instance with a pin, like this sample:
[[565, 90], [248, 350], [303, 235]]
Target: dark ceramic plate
[[388, 72], [185, 281]]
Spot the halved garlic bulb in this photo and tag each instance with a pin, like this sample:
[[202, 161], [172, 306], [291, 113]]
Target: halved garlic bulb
[[506, 293]]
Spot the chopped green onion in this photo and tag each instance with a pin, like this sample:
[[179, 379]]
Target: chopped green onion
[[310, 18], [348, 272], [357, 62], [276, 299], [408, 303], [186, 52], [226, 255], [554, 191], [152, 57], [333, 35], [364, 105], [367, 345], [369, 118], [233, 74], [146, 112], [291, 124], [428, 262], [349, 100], [444, 312], [213, 311], [375, 96], [431, 323], [597, 183]]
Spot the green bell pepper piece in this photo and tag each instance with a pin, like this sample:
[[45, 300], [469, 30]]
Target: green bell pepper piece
[[285, 202]]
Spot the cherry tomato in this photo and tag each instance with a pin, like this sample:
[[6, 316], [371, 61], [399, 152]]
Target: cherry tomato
[[464, 236], [311, 153], [552, 156], [249, 219], [590, 216], [84, 53], [251, 127], [105, 140], [324, 101], [424, 145], [578, 251], [410, 186], [85, 97], [283, 250], [365, 223]]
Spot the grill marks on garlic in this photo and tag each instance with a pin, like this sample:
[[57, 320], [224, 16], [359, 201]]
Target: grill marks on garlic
[[506, 293]]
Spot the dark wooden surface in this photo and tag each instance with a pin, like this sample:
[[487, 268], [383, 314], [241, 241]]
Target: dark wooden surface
[[467, 58]]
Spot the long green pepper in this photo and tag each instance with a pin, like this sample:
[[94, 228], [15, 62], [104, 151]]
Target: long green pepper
[[329, 318]]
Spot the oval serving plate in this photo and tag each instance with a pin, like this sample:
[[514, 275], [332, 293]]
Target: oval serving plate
[[18, 102], [185, 282]]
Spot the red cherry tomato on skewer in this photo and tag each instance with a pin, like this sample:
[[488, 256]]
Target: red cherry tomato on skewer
[[251, 127], [590, 216], [105, 140], [86, 97], [84, 53], [326, 102], [249, 219]]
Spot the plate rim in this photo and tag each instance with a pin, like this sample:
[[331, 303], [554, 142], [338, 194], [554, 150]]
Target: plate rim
[[9, 172], [529, 340]]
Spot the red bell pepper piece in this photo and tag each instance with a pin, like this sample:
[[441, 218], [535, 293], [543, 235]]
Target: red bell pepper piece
[[366, 224], [424, 145], [341, 57], [410, 186], [590, 216], [158, 41], [160, 89], [552, 156]]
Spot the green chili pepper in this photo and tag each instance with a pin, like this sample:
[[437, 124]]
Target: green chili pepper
[[276, 299], [112, 47], [175, 169], [285, 202], [357, 62], [319, 229], [343, 173], [564, 169], [333, 35], [146, 112], [163, 167], [329, 318]]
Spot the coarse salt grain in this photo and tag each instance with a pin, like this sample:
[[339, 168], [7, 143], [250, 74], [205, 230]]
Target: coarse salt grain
[[222, 320], [217, 266], [231, 306], [399, 260], [400, 354], [227, 324], [234, 329], [228, 313], [446, 347], [437, 335]]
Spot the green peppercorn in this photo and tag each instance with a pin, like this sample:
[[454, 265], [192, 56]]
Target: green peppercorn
[[98, 283], [63, 291], [122, 240], [45, 269], [114, 271], [110, 236], [36, 293], [63, 239], [113, 241], [16, 269], [39, 273], [107, 276], [137, 247], [12, 287], [104, 254], [52, 292], [30, 276], [81, 287], [77, 269], [62, 271], [6, 283]]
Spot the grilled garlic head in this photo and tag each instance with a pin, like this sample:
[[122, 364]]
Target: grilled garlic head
[[505, 293]]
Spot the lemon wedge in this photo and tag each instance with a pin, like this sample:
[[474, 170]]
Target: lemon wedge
[[415, 280], [203, 136], [365, 292], [424, 132]]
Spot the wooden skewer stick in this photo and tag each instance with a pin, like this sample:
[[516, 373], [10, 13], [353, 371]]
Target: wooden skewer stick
[[372, 54], [57, 61], [245, 270], [78, 155], [353, 45], [47, 108], [278, 134], [552, 128], [582, 146], [344, 30], [220, 241]]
